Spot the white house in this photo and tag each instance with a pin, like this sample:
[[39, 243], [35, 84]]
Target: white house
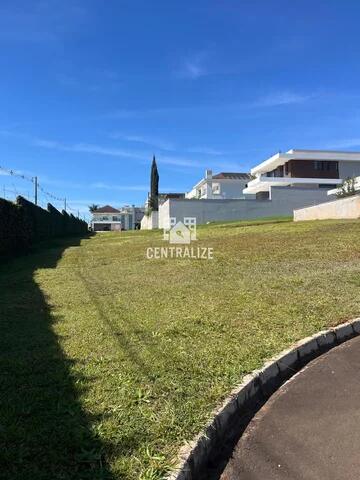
[[312, 169], [276, 187], [108, 218], [224, 185]]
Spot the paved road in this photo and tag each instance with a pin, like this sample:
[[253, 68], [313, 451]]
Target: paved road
[[310, 428]]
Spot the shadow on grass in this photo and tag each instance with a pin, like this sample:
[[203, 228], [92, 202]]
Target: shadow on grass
[[44, 433]]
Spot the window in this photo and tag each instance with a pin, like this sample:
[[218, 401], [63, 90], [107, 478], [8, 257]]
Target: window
[[321, 165], [277, 172], [216, 188]]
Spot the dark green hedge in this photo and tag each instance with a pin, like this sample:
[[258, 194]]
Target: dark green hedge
[[23, 224]]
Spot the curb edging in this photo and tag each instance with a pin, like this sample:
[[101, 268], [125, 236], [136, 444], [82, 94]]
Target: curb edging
[[201, 458]]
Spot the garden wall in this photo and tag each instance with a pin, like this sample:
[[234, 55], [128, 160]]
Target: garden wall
[[348, 207], [23, 224], [282, 203]]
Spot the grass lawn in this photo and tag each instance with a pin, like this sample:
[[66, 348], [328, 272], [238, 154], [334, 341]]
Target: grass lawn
[[109, 362]]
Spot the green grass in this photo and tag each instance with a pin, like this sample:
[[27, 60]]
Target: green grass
[[109, 362]]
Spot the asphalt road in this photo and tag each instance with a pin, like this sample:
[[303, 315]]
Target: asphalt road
[[310, 428]]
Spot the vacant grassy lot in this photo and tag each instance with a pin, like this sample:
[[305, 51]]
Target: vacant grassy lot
[[110, 361]]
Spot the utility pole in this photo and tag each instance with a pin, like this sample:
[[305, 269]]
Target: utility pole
[[36, 190]]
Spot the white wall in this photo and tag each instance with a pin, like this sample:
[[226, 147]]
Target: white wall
[[349, 169], [284, 201], [149, 222], [231, 188], [348, 207]]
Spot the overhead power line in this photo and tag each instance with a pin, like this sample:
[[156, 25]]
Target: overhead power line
[[14, 173], [37, 187]]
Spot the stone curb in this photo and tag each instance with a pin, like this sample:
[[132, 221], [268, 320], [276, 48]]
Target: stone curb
[[230, 420]]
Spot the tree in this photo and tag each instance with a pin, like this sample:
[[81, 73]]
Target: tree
[[154, 187], [93, 207]]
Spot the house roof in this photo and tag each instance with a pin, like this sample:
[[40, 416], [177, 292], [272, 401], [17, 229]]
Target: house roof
[[172, 195], [295, 154], [107, 209], [232, 176]]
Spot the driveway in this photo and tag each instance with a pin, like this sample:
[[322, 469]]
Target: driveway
[[310, 428]]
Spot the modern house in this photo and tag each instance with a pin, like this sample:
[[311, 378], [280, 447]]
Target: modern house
[[223, 185], [305, 169], [108, 218], [276, 187]]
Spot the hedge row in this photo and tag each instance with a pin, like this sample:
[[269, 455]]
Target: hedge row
[[23, 224]]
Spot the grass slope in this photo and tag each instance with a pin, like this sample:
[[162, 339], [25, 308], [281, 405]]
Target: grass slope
[[110, 361]]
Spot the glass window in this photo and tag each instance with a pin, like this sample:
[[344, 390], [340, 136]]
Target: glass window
[[319, 165], [322, 165]]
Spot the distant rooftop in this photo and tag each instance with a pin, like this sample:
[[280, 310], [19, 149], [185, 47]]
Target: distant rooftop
[[107, 209], [232, 176], [171, 195], [295, 150]]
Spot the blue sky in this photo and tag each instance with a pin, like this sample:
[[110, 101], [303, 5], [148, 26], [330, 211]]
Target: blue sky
[[90, 90]]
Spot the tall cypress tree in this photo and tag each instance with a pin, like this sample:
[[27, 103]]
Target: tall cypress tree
[[154, 187]]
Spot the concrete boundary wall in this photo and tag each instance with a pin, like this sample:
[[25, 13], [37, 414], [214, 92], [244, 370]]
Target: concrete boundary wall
[[348, 207], [207, 455], [151, 221], [282, 203]]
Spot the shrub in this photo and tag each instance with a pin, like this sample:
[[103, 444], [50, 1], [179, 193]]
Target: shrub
[[15, 230], [348, 188], [23, 223]]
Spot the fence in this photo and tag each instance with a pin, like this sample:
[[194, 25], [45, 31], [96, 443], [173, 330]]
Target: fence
[[22, 224], [16, 183]]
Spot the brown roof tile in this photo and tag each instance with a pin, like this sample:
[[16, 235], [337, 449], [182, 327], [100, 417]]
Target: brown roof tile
[[107, 209], [232, 176]]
